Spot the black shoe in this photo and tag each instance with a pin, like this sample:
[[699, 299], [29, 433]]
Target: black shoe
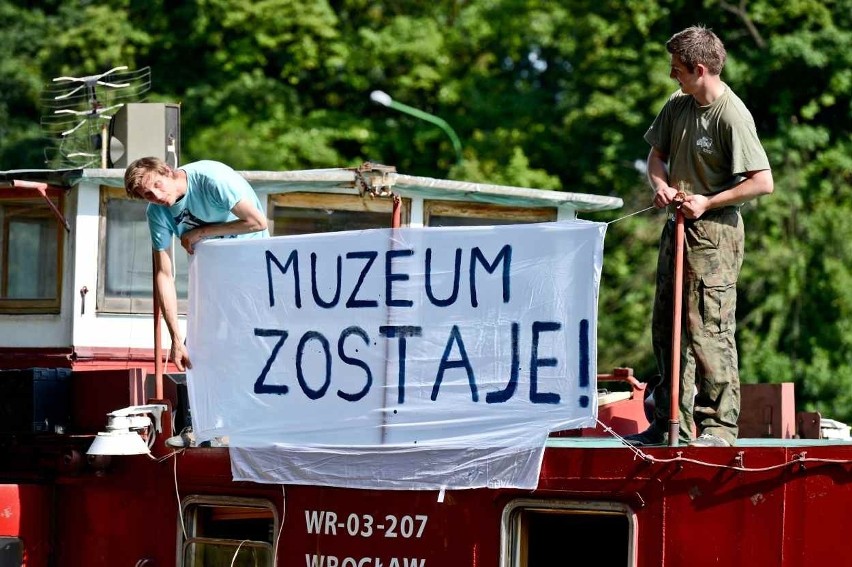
[[651, 436]]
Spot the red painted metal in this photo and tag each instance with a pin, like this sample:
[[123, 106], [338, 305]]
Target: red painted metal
[[674, 402], [19, 357], [784, 502], [396, 218], [779, 516], [77, 358], [23, 515], [158, 354], [95, 393], [113, 357], [624, 415]]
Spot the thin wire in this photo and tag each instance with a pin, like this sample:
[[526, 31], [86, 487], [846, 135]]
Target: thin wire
[[280, 527], [170, 455], [798, 459], [177, 494], [631, 214], [237, 552]]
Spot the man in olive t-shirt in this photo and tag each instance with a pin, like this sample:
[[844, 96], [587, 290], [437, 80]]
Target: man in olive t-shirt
[[705, 158]]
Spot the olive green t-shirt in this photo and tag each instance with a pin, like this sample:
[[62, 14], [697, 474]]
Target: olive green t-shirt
[[709, 147]]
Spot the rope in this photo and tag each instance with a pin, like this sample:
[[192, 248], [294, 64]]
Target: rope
[[631, 214], [798, 459]]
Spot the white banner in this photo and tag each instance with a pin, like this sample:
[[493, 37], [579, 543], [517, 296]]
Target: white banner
[[413, 358]]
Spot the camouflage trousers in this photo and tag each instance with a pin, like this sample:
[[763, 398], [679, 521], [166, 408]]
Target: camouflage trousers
[[709, 382]]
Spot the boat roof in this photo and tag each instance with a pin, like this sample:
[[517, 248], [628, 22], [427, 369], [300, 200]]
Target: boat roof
[[375, 178], [64, 178]]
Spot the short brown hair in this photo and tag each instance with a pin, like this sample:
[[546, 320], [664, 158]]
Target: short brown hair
[[698, 45], [138, 171]]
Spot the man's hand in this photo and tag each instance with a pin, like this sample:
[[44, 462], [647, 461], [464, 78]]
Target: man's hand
[[664, 196], [179, 356], [694, 206], [189, 238]]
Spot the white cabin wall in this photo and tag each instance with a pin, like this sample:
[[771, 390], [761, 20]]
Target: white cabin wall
[[93, 329], [416, 212], [35, 331], [89, 329]]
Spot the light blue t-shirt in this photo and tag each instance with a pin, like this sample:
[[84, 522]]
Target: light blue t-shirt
[[212, 190]]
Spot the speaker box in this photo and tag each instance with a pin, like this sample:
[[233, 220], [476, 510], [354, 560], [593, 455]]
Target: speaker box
[[142, 129], [34, 400], [174, 387]]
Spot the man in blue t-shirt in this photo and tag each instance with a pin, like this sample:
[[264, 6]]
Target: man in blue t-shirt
[[201, 200]]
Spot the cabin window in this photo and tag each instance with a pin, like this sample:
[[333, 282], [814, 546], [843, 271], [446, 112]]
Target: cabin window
[[227, 531], [309, 213], [31, 246], [459, 213], [536, 531], [125, 283]]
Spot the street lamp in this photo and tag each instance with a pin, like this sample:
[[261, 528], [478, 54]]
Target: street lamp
[[383, 98]]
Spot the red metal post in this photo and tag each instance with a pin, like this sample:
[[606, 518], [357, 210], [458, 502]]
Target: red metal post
[[158, 357], [396, 222], [674, 402], [396, 219], [42, 190]]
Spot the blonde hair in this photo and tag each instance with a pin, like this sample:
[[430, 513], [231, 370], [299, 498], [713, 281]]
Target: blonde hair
[[698, 45], [137, 173]]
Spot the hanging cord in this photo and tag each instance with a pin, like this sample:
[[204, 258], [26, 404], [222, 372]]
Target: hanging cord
[[798, 459], [180, 509], [237, 552], [631, 214], [280, 526]]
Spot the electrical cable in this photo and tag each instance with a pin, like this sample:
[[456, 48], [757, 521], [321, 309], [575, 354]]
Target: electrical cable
[[237, 552], [177, 494], [280, 527]]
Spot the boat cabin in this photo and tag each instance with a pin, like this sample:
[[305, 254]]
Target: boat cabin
[[76, 255]]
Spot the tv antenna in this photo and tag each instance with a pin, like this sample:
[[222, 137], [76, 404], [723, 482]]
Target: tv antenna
[[78, 111]]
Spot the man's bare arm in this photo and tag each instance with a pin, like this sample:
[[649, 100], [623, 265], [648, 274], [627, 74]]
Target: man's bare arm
[[658, 177], [756, 183], [168, 304], [250, 219]]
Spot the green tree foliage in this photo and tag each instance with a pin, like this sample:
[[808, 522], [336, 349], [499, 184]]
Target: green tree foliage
[[554, 95], [795, 308], [20, 84]]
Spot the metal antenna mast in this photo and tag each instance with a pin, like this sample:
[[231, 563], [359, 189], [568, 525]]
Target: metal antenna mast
[[78, 111]]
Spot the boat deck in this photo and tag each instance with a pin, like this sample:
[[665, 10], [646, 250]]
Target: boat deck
[[612, 442]]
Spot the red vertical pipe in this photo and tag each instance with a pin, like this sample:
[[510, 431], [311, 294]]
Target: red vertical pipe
[[158, 357], [674, 402], [396, 219]]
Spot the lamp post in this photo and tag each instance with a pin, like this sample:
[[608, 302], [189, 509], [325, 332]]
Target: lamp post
[[383, 98]]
